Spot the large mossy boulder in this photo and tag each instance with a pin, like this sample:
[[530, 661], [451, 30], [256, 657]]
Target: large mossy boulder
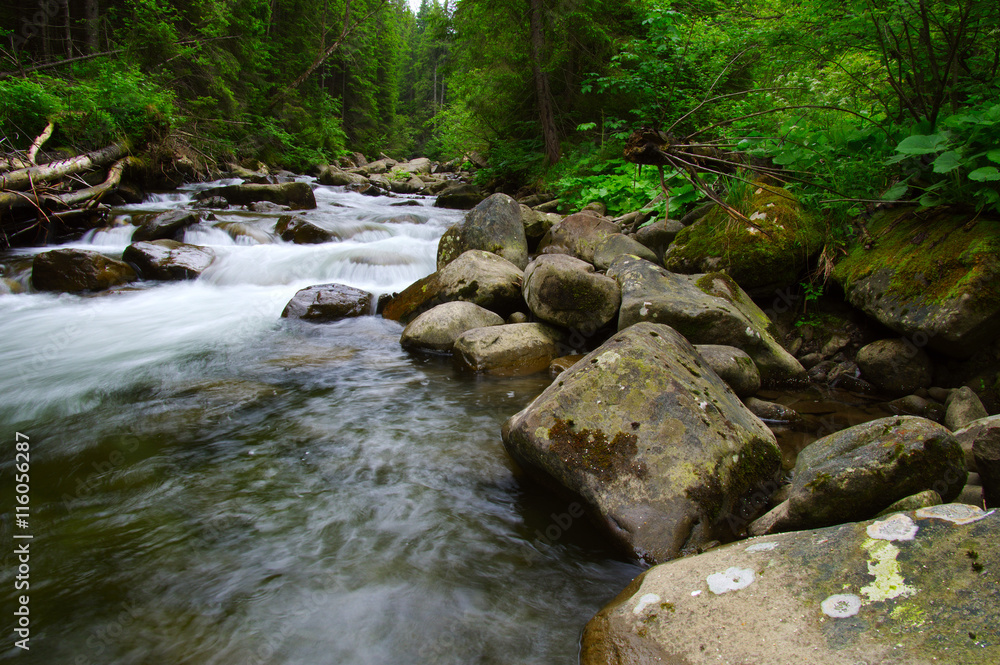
[[168, 225], [650, 438], [476, 276], [915, 588], [765, 253], [565, 291], [492, 226], [856, 473], [168, 259], [459, 196], [437, 329], [578, 235], [512, 349], [707, 309], [295, 195], [325, 303], [733, 366], [931, 276], [76, 270]]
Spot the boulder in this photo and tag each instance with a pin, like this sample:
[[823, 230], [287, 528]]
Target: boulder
[[895, 366], [323, 303], [492, 226], [913, 589], [411, 185], [658, 235], [437, 329], [771, 411], [857, 472], [459, 196], [580, 234], [707, 309], [75, 270], [295, 195], [478, 277], [567, 292], [986, 451], [962, 408], [418, 166], [337, 177], [536, 224], [924, 499], [983, 429], [511, 349], [617, 244], [733, 366], [933, 277], [168, 259], [650, 438], [299, 230], [763, 254], [166, 226]]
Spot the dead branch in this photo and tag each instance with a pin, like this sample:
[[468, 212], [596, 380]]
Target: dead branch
[[38, 142], [25, 178]]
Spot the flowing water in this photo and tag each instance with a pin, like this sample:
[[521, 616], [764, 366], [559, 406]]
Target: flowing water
[[210, 483]]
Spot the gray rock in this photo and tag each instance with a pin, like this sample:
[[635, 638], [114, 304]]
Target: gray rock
[[476, 276], [658, 235], [771, 411], [536, 224], [656, 444], [459, 196], [299, 230], [914, 589], [580, 234], [417, 166], [985, 429], [437, 329], [616, 245], [168, 259], [986, 451], [707, 309], [733, 366], [324, 303], [166, 226], [924, 499], [855, 473], [512, 349], [295, 195], [411, 185], [567, 292], [76, 270], [895, 366], [962, 408], [337, 177], [492, 226]]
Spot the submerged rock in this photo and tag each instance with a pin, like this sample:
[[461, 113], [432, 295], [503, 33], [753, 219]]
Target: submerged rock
[[511, 349], [565, 291], [323, 303], [917, 588], [76, 270], [168, 259], [166, 226], [652, 440], [438, 328], [857, 472], [492, 226], [707, 309]]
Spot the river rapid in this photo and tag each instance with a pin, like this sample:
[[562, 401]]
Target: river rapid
[[210, 483]]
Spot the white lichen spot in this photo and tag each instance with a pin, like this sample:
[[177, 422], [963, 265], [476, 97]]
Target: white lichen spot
[[897, 527], [702, 405], [608, 358], [959, 513], [884, 567], [644, 310], [758, 215], [645, 601], [760, 190], [732, 579], [761, 547], [695, 594], [841, 605]]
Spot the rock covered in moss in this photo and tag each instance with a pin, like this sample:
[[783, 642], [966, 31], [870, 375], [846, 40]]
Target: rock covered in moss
[[763, 254], [895, 366], [578, 235], [437, 329], [855, 473], [168, 259], [932, 277], [492, 226], [617, 244], [478, 277], [733, 366], [76, 270], [707, 309], [511, 349], [459, 196], [325, 303], [656, 444], [980, 430], [565, 291], [919, 587]]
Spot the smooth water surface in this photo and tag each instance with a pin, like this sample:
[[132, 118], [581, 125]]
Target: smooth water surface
[[213, 484]]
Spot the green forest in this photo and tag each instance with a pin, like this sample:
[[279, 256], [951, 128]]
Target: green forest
[[850, 102]]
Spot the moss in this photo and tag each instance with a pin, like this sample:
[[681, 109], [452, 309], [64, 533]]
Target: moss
[[591, 451]]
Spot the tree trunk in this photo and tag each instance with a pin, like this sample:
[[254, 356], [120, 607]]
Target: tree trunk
[[24, 178], [68, 27], [546, 116], [92, 21], [69, 199]]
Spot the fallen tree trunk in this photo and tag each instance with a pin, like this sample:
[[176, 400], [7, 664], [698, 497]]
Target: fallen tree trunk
[[70, 199], [24, 178], [38, 142]]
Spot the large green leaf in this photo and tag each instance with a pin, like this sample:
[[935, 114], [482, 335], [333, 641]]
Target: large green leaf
[[985, 174], [922, 144], [994, 155], [947, 161], [895, 192]]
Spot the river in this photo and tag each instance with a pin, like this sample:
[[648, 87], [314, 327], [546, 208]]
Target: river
[[210, 483]]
